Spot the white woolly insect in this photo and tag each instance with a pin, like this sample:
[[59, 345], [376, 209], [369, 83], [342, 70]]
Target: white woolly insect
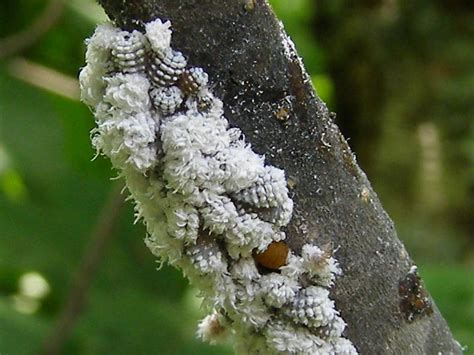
[[128, 51], [165, 69], [159, 36], [167, 99], [212, 328], [208, 200]]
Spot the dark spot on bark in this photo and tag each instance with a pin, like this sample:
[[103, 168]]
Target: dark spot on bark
[[250, 5], [414, 300], [297, 83]]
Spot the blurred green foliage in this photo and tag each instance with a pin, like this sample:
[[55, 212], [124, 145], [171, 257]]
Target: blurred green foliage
[[398, 73]]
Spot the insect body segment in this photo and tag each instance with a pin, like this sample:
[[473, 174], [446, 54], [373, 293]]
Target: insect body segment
[[166, 99], [128, 52], [308, 308], [193, 80], [165, 69]]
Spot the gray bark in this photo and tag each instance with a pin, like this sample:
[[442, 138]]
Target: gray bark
[[240, 44]]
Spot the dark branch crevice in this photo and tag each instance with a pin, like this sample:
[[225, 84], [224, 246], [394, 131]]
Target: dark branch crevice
[[256, 75]]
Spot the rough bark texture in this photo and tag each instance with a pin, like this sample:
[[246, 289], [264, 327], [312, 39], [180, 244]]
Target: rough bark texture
[[268, 96]]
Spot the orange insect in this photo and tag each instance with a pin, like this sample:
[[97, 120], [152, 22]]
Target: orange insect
[[274, 257]]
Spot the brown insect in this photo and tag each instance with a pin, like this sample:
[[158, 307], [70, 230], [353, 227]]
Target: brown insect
[[274, 257], [192, 80], [414, 299], [282, 114]]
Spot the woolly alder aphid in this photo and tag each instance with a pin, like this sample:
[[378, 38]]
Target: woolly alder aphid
[[211, 205], [128, 52], [165, 69]]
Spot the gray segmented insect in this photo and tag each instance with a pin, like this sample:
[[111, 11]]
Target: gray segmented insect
[[313, 308], [165, 69], [167, 99], [268, 191], [193, 80], [205, 256], [129, 51], [268, 196], [275, 215]]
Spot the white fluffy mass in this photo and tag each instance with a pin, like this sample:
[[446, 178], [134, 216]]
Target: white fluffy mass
[[159, 35], [208, 200]]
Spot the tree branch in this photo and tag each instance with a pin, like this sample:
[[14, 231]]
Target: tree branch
[[268, 95]]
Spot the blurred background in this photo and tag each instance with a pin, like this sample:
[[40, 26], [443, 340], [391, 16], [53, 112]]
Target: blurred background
[[398, 73]]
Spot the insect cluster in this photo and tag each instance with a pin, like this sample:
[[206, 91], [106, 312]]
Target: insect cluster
[[211, 205]]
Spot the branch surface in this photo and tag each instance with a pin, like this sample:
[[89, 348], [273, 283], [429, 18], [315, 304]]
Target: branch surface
[[268, 95]]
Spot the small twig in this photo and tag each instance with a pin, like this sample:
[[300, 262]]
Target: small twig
[[87, 270], [25, 38], [45, 78]]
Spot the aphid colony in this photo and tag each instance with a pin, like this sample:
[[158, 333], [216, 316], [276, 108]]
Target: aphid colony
[[165, 68], [211, 205]]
